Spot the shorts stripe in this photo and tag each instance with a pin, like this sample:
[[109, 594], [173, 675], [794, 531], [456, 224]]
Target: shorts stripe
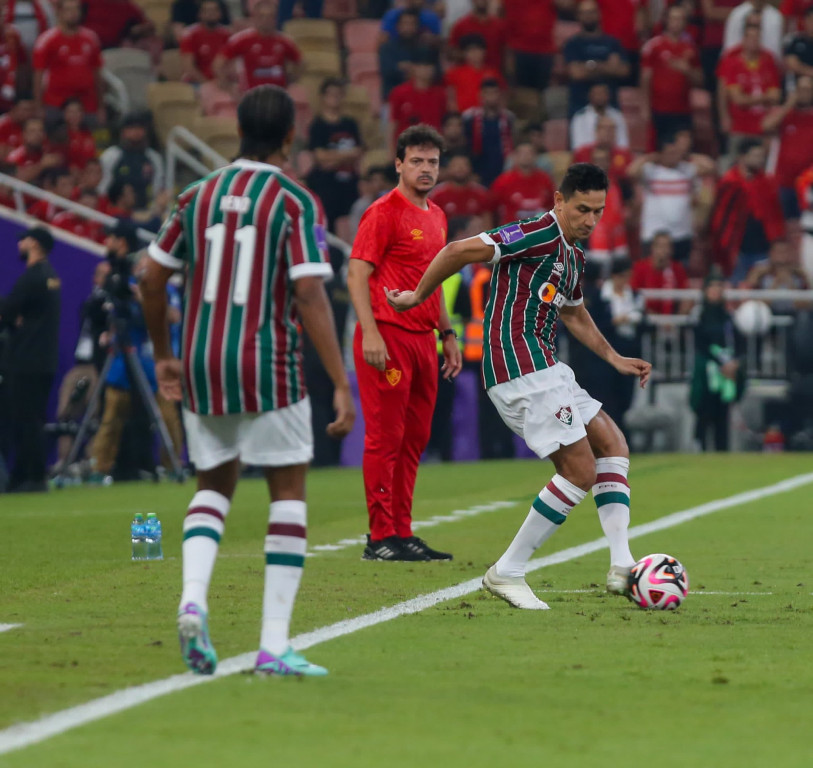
[[282, 558], [557, 518], [612, 498]]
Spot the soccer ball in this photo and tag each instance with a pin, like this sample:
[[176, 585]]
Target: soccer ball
[[658, 581], [753, 318]]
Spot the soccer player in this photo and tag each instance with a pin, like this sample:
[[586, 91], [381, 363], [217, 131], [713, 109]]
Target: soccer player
[[253, 245], [538, 265], [396, 357]]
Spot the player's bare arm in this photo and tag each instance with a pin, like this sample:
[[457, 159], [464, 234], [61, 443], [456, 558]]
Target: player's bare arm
[[317, 320], [153, 279], [450, 260], [581, 326], [452, 356], [372, 343]]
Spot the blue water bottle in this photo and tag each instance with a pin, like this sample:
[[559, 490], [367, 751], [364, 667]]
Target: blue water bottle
[[153, 537], [138, 537]]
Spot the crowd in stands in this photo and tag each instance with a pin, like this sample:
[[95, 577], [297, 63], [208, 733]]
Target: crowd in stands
[[700, 111]]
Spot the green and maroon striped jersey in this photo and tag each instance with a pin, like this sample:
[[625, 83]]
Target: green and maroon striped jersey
[[244, 234], [535, 273]]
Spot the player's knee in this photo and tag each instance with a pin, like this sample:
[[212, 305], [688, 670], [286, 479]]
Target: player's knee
[[579, 470]]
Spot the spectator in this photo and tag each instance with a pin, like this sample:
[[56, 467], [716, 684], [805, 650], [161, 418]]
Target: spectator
[[81, 146], [123, 205], [335, 140], [30, 18], [778, 272], [804, 196], [91, 178], [489, 133], [534, 134], [68, 64], [219, 97], [492, 29], [202, 42], [523, 192], [58, 181], [714, 14], [11, 125], [793, 122], [376, 182], [658, 271], [266, 56], [769, 19], [116, 22], [583, 124], [454, 134], [12, 55], [312, 9], [670, 182], [459, 195], [609, 239], [670, 66], [428, 22], [799, 50], [465, 79], [794, 12], [592, 56], [185, 13], [133, 161], [628, 22], [530, 40], [396, 55], [419, 100], [78, 225], [749, 84], [33, 156], [718, 376], [747, 213], [620, 157]]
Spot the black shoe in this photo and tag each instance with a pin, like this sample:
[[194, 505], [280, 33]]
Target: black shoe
[[419, 547], [390, 548]]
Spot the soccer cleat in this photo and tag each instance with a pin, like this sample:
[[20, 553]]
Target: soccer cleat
[[193, 633], [512, 589], [618, 580], [289, 663], [419, 547], [391, 549]]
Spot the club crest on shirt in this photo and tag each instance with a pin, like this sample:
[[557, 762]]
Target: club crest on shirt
[[393, 376], [565, 415], [510, 234], [549, 295]]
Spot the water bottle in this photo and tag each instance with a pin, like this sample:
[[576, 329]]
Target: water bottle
[[153, 537], [138, 537]]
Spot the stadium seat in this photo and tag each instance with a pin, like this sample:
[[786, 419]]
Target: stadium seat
[[556, 135], [158, 12], [220, 134], [134, 68], [376, 157], [362, 63], [310, 84], [170, 67], [357, 104], [561, 162], [629, 100], [556, 98], [525, 103], [371, 82], [361, 36], [304, 163], [172, 104], [372, 135], [321, 62], [340, 10], [303, 111], [321, 32]]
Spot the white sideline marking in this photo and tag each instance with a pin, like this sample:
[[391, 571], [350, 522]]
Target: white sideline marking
[[7, 627], [692, 592], [26, 734]]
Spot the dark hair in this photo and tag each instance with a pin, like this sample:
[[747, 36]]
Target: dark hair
[[457, 224], [410, 12], [377, 170], [116, 190], [418, 136], [747, 144], [450, 116], [489, 82], [620, 266], [583, 177], [457, 153], [266, 117], [472, 41], [73, 100], [52, 175], [330, 82], [660, 233]]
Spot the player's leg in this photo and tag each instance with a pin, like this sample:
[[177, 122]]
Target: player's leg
[[612, 495]]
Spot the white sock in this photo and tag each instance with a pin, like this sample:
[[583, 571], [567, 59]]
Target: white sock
[[549, 511], [612, 495], [284, 559], [203, 527]]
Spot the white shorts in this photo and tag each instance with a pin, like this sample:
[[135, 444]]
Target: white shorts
[[546, 408], [279, 438]]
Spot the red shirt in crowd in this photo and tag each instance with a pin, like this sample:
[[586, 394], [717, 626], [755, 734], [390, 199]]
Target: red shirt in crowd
[[81, 148], [670, 88], [620, 159], [22, 157], [673, 276], [492, 29], [11, 133], [112, 20], [516, 196], [610, 234], [796, 9], [795, 146], [410, 106], [466, 81], [530, 25], [69, 64], [263, 56], [400, 240], [751, 78], [12, 54], [43, 210], [204, 44], [713, 31], [461, 199], [72, 223], [618, 21]]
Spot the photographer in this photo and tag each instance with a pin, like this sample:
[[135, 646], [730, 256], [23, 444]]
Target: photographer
[[31, 310]]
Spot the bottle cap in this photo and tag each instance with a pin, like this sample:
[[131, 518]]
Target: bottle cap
[[150, 514], [138, 516]]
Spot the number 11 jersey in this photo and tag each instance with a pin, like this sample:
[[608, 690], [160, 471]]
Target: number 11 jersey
[[244, 234]]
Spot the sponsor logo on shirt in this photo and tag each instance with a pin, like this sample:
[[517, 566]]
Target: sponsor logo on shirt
[[510, 234], [549, 295], [565, 415], [417, 234], [393, 376]]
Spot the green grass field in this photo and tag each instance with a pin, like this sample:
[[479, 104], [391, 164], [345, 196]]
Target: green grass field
[[725, 681]]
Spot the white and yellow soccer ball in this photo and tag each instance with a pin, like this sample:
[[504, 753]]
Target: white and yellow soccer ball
[[658, 581]]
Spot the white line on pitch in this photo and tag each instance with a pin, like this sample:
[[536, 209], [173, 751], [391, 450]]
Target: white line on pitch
[[593, 591], [7, 627], [25, 734]]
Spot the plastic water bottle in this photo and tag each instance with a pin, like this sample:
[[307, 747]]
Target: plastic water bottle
[[153, 537], [138, 537]]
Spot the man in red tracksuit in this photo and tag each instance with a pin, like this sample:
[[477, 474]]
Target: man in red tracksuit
[[396, 356]]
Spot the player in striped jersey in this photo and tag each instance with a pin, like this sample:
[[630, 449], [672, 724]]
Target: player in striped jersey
[[252, 243], [538, 265]]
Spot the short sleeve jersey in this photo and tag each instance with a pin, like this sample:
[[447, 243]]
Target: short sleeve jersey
[[263, 56], [400, 240], [204, 44], [536, 272], [69, 64], [244, 234], [12, 53], [670, 88]]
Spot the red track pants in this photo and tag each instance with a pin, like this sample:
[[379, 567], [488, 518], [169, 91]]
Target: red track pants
[[397, 405]]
